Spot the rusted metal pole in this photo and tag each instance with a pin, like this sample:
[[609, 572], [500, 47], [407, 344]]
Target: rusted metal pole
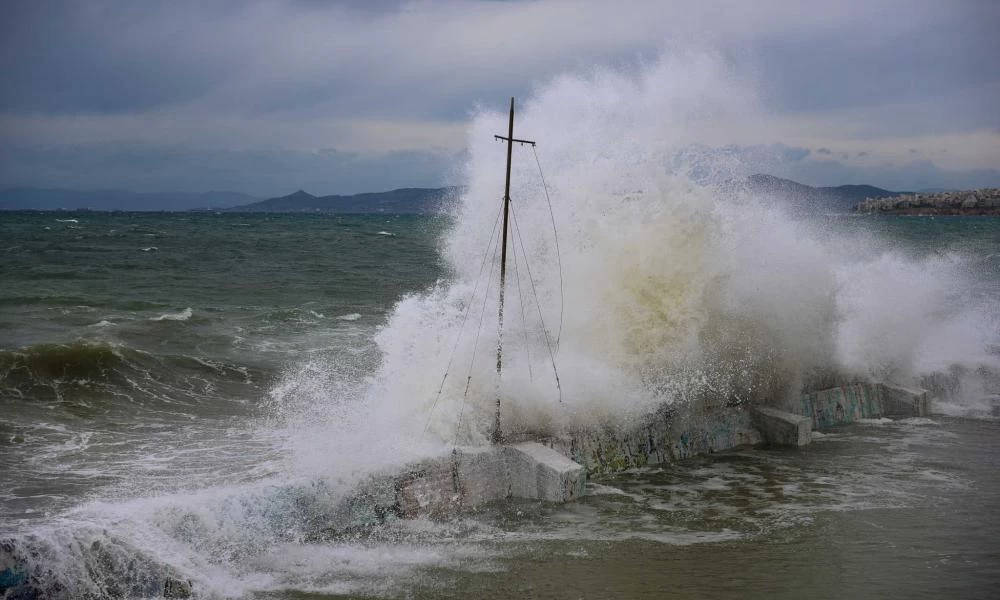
[[497, 435]]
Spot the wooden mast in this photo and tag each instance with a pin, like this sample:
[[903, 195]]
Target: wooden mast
[[497, 435]]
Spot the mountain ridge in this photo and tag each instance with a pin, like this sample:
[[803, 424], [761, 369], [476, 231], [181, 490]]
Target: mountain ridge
[[409, 200], [398, 201], [838, 199]]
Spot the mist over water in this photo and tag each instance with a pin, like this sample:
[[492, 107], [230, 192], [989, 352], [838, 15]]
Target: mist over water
[[677, 284]]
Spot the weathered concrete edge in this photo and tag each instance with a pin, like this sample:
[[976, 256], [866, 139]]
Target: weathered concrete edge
[[849, 403], [469, 477], [780, 428], [556, 469], [669, 436]]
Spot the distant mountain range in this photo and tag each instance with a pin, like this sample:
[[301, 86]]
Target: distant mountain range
[[838, 199], [402, 201]]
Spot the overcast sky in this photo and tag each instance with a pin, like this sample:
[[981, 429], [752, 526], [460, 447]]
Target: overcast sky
[[341, 97]]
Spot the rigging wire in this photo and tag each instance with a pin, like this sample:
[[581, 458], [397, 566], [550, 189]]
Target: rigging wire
[[555, 234], [465, 317], [520, 302], [475, 344], [534, 292]]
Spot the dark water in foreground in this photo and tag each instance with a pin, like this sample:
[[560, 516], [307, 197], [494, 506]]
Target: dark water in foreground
[[139, 359]]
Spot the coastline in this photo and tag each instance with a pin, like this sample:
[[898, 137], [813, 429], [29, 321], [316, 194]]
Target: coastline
[[982, 202]]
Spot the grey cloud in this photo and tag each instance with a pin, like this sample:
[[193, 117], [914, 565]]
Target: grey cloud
[[270, 171], [71, 57], [933, 49], [897, 68]]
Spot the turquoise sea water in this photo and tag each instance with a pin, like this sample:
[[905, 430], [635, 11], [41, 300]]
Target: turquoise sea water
[[140, 356]]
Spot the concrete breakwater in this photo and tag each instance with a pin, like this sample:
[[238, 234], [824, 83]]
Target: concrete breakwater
[[971, 202], [551, 470], [669, 436], [556, 469]]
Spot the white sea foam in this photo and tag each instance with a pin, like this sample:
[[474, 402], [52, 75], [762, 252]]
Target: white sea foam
[[385, 233], [676, 286], [183, 315], [68, 220], [149, 249], [349, 317], [876, 422]]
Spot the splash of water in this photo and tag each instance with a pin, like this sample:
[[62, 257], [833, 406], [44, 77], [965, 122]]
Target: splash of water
[[678, 285]]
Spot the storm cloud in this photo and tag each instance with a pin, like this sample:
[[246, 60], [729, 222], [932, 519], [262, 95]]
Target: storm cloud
[[268, 97]]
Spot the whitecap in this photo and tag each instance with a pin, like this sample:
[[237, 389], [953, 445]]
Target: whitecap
[[103, 323], [349, 317], [68, 220], [386, 233], [184, 315], [149, 249], [878, 421]]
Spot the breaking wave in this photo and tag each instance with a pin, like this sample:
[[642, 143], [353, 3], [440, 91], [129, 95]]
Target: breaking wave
[[98, 376], [183, 315], [679, 285]]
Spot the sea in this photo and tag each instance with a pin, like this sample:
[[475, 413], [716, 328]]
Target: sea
[[183, 390], [188, 401]]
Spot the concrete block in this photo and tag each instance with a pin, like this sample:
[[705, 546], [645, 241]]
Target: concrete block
[[540, 473], [842, 405], [903, 402], [428, 488], [780, 428], [482, 475]]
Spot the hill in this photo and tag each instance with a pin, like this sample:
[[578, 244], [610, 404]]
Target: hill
[[401, 201], [27, 198], [835, 199]]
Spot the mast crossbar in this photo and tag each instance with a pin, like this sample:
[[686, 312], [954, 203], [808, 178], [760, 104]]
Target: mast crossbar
[[515, 140]]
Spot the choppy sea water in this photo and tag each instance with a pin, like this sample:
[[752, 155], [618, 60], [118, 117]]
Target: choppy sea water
[[164, 377]]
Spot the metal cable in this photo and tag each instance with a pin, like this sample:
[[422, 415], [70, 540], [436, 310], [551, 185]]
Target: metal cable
[[475, 345], [555, 234], [534, 292], [468, 308], [524, 322]]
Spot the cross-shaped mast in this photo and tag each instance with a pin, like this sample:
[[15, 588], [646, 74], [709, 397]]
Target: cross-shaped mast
[[497, 436]]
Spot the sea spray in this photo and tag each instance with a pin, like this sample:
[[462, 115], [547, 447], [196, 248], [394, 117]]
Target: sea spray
[[678, 284]]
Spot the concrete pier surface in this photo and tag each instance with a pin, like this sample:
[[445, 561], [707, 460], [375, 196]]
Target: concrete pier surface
[[555, 469], [780, 428], [667, 436], [472, 476]]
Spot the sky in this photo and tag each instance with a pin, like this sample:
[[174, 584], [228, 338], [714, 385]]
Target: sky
[[342, 97]]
